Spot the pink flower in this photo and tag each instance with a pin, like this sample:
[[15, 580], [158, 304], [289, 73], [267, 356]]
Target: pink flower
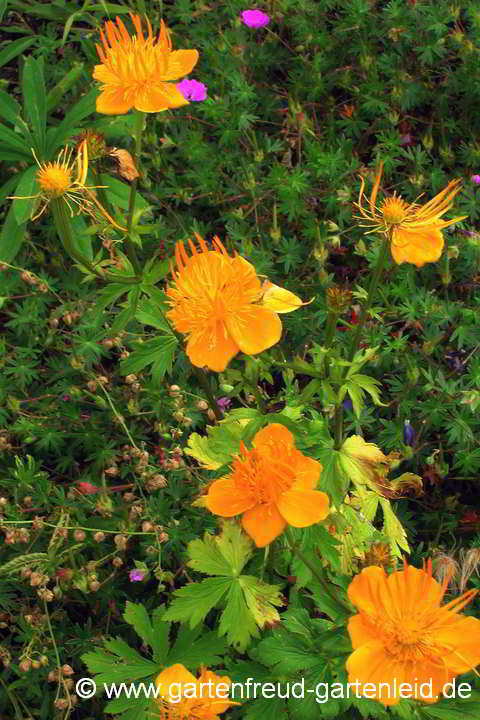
[[192, 90], [136, 575], [475, 179], [255, 18], [87, 488]]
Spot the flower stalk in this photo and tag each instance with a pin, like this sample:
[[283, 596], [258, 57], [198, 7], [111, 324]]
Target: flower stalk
[[129, 245]]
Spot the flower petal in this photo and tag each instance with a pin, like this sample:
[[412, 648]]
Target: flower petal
[[175, 674], [364, 589], [254, 329], [224, 499], [155, 98], [370, 663], [212, 348], [361, 631], [111, 101], [461, 635], [180, 63], [263, 523], [272, 435], [307, 472], [417, 246], [302, 508], [278, 299]]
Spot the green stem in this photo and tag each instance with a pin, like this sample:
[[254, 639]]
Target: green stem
[[315, 570], [259, 399], [129, 245], [203, 380], [329, 335], [374, 279]]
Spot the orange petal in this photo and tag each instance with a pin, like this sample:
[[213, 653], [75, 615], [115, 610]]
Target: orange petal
[[175, 674], [155, 98], [417, 246], [223, 498], [460, 639], [111, 101], [370, 663], [272, 435], [254, 329], [278, 299], [302, 508], [364, 589], [307, 472], [180, 63], [263, 523], [361, 631], [213, 348]]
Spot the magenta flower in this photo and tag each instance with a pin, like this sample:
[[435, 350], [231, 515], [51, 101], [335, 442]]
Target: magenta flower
[[255, 18], [136, 575], [475, 179], [192, 90]]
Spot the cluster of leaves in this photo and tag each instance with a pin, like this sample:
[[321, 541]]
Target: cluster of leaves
[[297, 112]]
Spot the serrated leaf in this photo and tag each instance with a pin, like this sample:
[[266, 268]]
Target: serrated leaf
[[136, 615], [333, 479], [206, 557], [236, 621], [266, 708], [160, 634], [286, 653], [158, 352], [393, 529], [123, 704], [192, 602], [148, 313], [262, 599], [108, 669], [220, 445], [233, 545], [194, 651]]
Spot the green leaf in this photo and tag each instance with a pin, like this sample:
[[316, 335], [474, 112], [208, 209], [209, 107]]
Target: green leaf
[[34, 101], [194, 651], [156, 271], [12, 49], [333, 479], [393, 529], [267, 709], [137, 616], [236, 621], [225, 554], [9, 107], [121, 704], [158, 351], [71, 122], [22, 208], [118, 193], [285, 652], [160, 633], [149, 313], [15, 142], [56, 94], [11, 237], [108, 669], [108, 295], [220, 445], [124, 317], [192, 602]]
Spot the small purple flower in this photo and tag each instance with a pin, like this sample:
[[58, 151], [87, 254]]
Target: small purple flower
[[224, 403], [66, 398], [408, 433], [475, 179], [255, 18], [406, 139], [136, 575], [192, 90]]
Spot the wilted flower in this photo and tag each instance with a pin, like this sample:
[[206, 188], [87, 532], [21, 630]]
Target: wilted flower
[[220, 304], [415, 230], [255, 18], [136, 575], [57, 181], [192, 90], [402, 634], [272, 486], [137, 72]]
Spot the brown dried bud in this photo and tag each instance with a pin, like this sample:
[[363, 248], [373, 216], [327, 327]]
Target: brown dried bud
[[92, 385], [79, 535], [129, 496], [162, 537], [94, 585], [61, 704], [43, 287], [147, 526], [25, 665], [36, 578], [44, 660], [130, 379], [99, 536], [103, 380], [156, 482], [36, 664], [211, 415], [112, 471], [117, 562], [53, 322], [120, 541], [68, 683], [28, 500], [45, 594], [67, 670], [202, 405], [52, 676], [38, 523]]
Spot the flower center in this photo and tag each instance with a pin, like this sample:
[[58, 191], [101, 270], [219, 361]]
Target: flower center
[[54, 179], [394, 210], [263, 476], [408, 640]]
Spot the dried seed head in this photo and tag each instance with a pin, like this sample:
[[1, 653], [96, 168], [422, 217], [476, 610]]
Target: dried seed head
[[79, 535], [25, 665], [99, 536], [202, 405], [67, 670], [156, 483], [121, 542], [117, 562]]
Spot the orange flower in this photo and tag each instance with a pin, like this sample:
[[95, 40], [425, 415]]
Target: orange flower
[[183, 697], [415, 230], [219, 302], [272, 485], [136, 71], [403, 635]]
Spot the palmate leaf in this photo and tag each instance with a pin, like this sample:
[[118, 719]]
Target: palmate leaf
[[220, 445], [195, 647], [225, 554], [194, 601], [137, 616], [158, 352]]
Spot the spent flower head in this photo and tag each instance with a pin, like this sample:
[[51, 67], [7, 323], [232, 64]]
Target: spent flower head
[[414, 230]]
